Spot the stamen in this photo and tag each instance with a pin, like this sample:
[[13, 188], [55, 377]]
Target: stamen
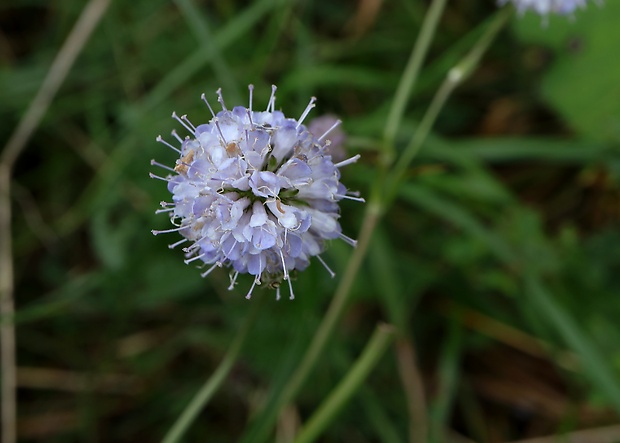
[[174, 245], [221, 99], [168, 168], [180, 120], [249, 294], [332, 273], [194, 246], [251, 89], [334, 126], [321, 151], [161, 140], [167, 231], [161, 211], [284, 265], [231, 248], [233, 280], [260, 266], [348, 240], [348, 161], [278, 293], [272, 100], [159, 178], [182, 167], [204, 99], [184, 117], [176, 135], [290, 288], [250, 118], [348, 197], [217, 125], [306, 111], [196, 257], [208, 271]]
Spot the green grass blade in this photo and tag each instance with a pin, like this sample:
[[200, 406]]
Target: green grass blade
[[593, 363]]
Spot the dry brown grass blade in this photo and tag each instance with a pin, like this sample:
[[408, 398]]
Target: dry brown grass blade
[[86, 23], [7, 329], [607, 434], [49, 424], [510, 336], [414, 390], [365, 17], [70, 381]]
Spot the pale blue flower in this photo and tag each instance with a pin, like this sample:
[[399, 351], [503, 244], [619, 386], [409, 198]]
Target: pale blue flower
[[254, 191], [545, 7]]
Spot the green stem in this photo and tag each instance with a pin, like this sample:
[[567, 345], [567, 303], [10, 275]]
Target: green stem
[[335, 308], [326, 328], [448, 378], [413, 386], [374, 211], [200, 27], [596, 364], [410, 75], [205, 393], [376, 347], [455, 77]]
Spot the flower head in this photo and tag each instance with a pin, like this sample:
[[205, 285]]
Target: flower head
[[545, 7], [254, 191]]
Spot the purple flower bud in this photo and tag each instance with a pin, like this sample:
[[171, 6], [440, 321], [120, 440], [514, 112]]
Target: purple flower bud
[[329, 126]]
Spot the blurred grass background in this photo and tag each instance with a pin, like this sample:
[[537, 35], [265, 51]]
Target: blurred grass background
[[500, 257]]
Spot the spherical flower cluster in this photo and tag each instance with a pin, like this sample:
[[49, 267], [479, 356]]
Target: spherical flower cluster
[[545, 7], [255, 191]]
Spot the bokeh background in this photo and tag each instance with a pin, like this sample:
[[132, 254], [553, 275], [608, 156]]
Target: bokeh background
[[501, 252]]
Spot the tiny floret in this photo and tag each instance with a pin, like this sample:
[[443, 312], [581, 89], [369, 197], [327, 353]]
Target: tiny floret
[[546, 7], [254, 191]]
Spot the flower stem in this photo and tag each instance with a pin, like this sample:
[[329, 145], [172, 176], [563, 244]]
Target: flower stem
[[324, 332], [7, 310], [413, 387], [72, 47], [212, 384], [335, 308], [376, 347], [455, 77], [410, 75], [89, 18], [374, 210]]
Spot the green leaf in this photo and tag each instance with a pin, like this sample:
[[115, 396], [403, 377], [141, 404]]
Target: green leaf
[[582, 82], [591, 359]]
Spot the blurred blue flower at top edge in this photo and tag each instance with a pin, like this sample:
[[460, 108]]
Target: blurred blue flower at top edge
[[545, 7]]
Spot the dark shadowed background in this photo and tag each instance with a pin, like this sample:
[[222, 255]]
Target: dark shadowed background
[[501, 254]]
